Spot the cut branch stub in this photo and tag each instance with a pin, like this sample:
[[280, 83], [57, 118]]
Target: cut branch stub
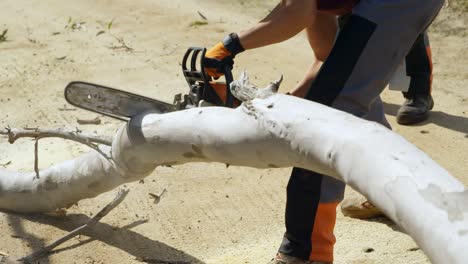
[[243, 90]]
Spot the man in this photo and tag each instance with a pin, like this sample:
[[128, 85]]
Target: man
[[348, 75]]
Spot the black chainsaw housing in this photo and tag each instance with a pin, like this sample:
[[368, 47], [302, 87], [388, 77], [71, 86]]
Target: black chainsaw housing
[[200, 83]]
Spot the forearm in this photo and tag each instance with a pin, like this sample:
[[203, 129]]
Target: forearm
[[304, 85], [287, 19], [321, 36]]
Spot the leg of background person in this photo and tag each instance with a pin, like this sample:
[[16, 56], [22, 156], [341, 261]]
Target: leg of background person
[[367, 51], [418, 101], [354, 204]]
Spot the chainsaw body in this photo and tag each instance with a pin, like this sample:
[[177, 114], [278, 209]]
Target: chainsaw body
[[203, 91], [202, 87]]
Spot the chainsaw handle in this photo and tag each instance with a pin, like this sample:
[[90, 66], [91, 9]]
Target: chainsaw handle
[[199, 81], [228, 76]]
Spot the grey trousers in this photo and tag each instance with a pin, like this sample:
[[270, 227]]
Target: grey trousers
[[367, 51]]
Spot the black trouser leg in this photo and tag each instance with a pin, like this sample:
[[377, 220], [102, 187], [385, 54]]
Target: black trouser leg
[[419, 67]]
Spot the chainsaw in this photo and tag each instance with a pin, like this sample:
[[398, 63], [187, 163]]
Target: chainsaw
[[203, 91]]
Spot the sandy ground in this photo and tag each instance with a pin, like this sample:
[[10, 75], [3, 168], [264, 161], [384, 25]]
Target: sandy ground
[[209, 214]]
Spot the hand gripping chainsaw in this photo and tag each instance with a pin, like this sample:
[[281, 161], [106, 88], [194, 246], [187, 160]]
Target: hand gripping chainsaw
[[203, 91]]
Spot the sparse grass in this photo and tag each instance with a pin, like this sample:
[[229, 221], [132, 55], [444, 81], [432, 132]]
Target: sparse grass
[[198, 23], [107, 28], [458, 5], [74, 24], [452, 19], [3, 36], [109, 25]]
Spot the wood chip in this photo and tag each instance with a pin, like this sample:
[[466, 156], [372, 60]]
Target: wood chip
[[201, 15], [95, 121], [4, 165], [157, 198]]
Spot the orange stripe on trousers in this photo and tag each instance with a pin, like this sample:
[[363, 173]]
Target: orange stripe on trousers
[[429, 56], [323, 238]]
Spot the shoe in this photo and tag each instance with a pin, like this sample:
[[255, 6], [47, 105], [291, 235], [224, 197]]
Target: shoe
[[356, 206], [364, 210], [281, 258], [415, 109]]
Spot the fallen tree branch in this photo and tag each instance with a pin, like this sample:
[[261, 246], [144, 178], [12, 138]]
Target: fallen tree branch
[[269, 131], [91, 222]]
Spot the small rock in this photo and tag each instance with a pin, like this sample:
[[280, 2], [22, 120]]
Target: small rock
[[368, 250]]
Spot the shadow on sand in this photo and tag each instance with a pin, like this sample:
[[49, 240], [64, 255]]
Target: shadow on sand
[[452, 122], [142, 248]]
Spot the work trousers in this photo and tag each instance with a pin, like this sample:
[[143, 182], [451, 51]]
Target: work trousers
[[379, 35]]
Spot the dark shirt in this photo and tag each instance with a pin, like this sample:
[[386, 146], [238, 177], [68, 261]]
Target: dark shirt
[[336, 7]]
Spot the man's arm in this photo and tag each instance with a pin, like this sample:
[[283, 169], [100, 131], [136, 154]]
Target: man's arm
[[321, 36], [287, 19]]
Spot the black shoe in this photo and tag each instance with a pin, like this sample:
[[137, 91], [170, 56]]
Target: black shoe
[[415, 109]]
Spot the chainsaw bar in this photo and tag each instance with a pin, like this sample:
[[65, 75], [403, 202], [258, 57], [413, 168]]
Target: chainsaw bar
[[124, 105], [113, 102]]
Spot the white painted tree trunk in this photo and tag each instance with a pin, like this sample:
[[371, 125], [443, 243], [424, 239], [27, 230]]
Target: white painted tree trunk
[[273, 131]]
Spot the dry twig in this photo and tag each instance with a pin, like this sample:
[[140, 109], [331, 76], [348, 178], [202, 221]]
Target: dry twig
[[94, 121], [36, 133], [201, 15], [91, 222], [66, 109], [36, 158], [123, 45], [157, 198], [160, 261], [3, 36], [4, 166]]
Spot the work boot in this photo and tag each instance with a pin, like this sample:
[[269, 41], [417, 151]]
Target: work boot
[[415, 109], [281, 258]]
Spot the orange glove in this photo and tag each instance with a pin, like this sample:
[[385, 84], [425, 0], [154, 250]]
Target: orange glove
[[221, 91], [222, 54]]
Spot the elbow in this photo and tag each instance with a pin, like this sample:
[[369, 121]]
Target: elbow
[[304, 10]]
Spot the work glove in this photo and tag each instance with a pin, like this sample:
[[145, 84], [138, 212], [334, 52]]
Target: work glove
[[222, 55]]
